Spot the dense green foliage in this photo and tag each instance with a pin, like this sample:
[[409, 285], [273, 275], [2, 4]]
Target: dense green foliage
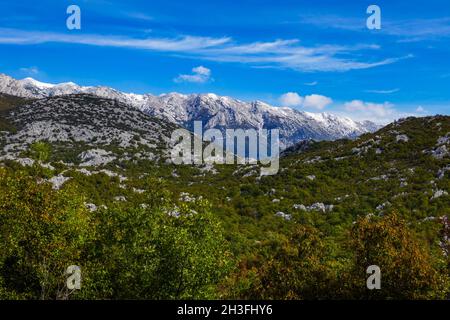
[[161, 231], [409, 271], [42, 233], [123, 251]]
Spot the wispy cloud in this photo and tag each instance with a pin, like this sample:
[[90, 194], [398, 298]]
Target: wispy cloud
[[407, 30], [139, 16], [199, 74], [384, 91], [281, 53], [177, 44], [332, 22], [311, 84], [30, 70], [419, 29], [290, 54]]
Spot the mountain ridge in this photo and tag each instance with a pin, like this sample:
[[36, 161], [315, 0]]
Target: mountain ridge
[[85, 127], [214, 111]]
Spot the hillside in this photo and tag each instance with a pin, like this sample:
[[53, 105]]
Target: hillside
[[8, 102], [404, 166], [111, 157], [84, 130]]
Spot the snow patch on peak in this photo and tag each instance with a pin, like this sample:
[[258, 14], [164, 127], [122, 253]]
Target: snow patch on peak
[[321, 117], [212, 96], [64, 84], [36, 83]]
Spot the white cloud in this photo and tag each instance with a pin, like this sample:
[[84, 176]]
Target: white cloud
[[139, 16], [199, 74], [378, 109], [202, 70], [381, 113], [314, 101], [376, 112], [291, 99], [384, 91], [30, 70], [409, 30], [419, 29], [280, 53], [290, 55], [314, 83], [357, 110], [333, 21], [420, 109], [176, 44]]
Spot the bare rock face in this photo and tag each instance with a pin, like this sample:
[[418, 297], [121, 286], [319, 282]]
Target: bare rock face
[[439, 193], [58, 181], [318, 206], [95, 157], [99, 130], [442, 148], [283, 215], [402, 138]]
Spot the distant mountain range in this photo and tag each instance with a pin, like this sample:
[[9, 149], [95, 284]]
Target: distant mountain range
[[214, 111]]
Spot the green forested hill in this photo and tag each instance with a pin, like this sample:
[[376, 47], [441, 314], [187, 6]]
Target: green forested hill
[[206, 232]]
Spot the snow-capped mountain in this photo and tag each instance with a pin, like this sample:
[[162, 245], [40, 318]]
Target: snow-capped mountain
[[31, 88], [225, 112], [215, 111]]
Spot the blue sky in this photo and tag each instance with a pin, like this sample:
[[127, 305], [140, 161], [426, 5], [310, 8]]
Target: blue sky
[[311, 55]]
